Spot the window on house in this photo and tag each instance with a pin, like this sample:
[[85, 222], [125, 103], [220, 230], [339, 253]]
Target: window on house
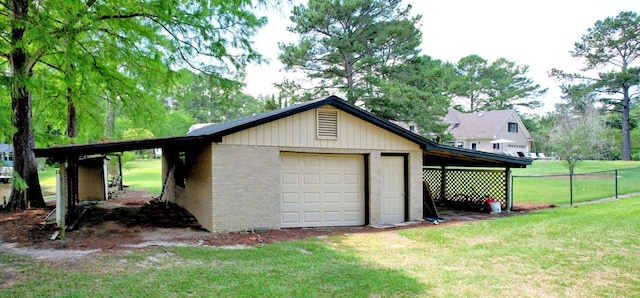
[[327, 124], [496, 146], [513, 127], [474, 146]]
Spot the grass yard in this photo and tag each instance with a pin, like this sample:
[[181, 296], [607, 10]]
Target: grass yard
[[587, 251], [143, 174]]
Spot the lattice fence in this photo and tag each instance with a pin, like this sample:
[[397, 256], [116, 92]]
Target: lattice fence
[[466, 189]]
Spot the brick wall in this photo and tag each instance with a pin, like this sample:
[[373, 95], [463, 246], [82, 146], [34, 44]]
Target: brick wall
[[246, 187]]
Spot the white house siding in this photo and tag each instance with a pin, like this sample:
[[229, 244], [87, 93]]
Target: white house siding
[[247, 170], [521, 139]]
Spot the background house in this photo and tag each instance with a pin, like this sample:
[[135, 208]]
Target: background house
[[6, 161], [6, 155], [499, 131]]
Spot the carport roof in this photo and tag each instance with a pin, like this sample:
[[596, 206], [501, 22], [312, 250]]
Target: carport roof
[[434, 154]]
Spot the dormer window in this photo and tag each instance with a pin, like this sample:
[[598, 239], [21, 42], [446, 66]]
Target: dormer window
[[513, 127]]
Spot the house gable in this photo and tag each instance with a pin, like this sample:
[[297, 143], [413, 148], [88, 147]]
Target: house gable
[[489, 131], [300, 130]]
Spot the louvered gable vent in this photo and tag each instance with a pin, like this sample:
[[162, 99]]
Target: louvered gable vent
[[327, 124]]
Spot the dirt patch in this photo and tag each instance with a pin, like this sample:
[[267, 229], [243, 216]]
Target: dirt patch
[[525, 207], [135, 220]]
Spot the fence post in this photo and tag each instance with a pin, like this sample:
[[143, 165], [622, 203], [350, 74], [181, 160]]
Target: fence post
[[616, 177]]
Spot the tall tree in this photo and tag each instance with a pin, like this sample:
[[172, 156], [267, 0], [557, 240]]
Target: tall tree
[[414, 92], [575, 137], [73, 36], [500, 85], [611, 51], [344, 41]]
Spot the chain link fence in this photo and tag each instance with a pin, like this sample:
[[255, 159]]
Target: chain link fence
[[576, 188]]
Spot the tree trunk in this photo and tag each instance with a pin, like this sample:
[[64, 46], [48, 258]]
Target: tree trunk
[[626, 135], [348, 68], [72, 117], [26, 184]]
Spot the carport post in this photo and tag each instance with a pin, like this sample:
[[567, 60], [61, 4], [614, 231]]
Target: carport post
[[61, 203], [443, 182], [508, 185], [120, 171]]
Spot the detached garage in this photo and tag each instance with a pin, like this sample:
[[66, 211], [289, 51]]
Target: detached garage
[[319, 163]]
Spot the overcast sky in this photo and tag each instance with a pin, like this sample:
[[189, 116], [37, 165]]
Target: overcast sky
[[538, 33]]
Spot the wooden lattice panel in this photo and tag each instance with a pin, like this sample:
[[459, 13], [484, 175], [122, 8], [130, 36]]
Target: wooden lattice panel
[[466, 189]]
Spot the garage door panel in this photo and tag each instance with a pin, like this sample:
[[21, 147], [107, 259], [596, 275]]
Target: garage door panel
[[331, 188], [312, 217], [352, 179], [311, 197], [289, 178], [311, 161], [352, 197], [352, 216], [332, 217], [332, 198], [290, 198], [333, 178], [290, 217], [312, 178]]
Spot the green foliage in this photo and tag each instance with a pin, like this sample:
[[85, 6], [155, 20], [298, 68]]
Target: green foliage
[[136, 134], [500, 85], [18, 183]]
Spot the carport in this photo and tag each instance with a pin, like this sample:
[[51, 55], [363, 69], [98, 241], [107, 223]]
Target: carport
[[465, 179], [70, 156]]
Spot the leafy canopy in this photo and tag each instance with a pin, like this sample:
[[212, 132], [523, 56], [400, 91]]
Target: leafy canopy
[[500, 85]]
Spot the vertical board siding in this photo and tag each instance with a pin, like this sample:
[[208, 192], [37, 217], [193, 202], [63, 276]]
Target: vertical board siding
[[299, 130]]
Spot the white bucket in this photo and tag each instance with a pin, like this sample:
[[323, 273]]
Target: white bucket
[[495, 207]]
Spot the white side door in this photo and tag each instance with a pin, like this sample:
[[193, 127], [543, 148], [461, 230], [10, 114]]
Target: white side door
[[393, 192]]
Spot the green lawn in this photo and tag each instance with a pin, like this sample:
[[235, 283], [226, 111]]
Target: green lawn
[[586, 251], [143, 174]]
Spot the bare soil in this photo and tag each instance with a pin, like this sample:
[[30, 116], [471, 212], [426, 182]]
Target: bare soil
[[136, 220]]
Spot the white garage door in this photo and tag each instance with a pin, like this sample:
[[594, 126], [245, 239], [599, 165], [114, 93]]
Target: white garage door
[[322, 190]]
